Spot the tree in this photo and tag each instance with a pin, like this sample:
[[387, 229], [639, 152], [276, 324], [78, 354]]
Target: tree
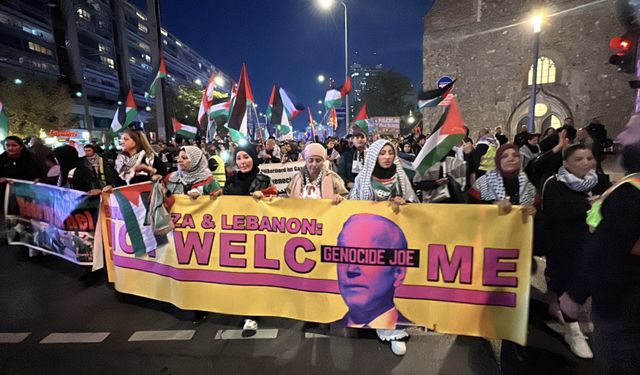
[[184, 104], [37, 104]]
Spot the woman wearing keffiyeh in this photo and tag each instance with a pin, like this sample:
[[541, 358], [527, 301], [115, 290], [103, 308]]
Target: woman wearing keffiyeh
[[137, 162], [193, 176], [507, 185], [383, 179]]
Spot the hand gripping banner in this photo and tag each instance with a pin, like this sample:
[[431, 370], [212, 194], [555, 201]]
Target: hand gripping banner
[[459, 269]]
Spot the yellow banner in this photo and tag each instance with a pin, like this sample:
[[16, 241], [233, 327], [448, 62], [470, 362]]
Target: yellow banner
[[459, 269]]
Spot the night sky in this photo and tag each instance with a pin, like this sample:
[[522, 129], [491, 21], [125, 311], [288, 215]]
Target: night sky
[[292, 41]]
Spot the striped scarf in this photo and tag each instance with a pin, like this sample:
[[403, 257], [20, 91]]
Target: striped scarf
[[491, 187], [576, 183]]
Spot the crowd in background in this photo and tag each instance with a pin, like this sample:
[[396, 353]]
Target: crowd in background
[[556, 176]]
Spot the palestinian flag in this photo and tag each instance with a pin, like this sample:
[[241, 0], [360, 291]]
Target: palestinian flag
[[212, 129], [186, 131], [448, 132], [239, 116], [204, 108], [293, 110], [363, 121], [312, 123], [131, 201], [131, 110], [4, 122], [162, 72], [431, 98], [220, 108], [210, 89], [333, 119], [278, 114], [333, 97]]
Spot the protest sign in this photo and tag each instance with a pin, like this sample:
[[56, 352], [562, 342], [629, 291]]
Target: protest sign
[[439, 266], [281, 173], [53, 220]]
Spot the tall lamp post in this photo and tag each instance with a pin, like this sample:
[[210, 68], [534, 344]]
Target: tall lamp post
[[326, 5], [537, 27]]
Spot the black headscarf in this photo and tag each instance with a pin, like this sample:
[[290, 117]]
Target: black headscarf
[[67, 157], [383, 173], [240, 183]]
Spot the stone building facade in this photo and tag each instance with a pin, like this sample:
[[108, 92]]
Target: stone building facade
[[488, 46]]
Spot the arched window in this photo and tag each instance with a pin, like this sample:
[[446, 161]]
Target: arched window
[[546, 71]]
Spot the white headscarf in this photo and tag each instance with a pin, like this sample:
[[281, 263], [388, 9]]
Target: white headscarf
[[198, 168]]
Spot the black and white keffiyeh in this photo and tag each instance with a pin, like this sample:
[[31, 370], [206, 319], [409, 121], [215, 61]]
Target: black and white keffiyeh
[[491, 188], [576, 183]]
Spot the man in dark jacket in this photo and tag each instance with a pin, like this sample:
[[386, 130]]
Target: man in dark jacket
[[352, 160]]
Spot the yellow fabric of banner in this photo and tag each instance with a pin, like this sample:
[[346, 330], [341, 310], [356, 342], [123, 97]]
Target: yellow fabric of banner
[[460, 269]]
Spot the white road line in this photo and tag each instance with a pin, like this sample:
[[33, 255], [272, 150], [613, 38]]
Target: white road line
[[311, 335], [183, 335], [236, 334], [13, 337], [75, 338]]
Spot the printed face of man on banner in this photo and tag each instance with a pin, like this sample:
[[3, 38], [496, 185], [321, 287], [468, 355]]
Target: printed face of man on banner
[[368, 291]]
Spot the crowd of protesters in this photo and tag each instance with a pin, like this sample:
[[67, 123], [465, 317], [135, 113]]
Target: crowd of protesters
[[556, 176]]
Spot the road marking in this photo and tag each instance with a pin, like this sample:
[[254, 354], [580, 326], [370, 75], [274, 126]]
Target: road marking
[[236, 334], [13, 337], [183, 335], [311, 335], [75, 338]]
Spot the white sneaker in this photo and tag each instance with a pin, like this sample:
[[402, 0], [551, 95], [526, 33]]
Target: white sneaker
[[398, 347], [577, 342], [249, 328]]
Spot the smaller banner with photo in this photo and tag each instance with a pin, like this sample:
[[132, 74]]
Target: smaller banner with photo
[[281, 173], [54, 220]]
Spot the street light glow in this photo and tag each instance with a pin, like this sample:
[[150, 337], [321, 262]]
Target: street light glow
[[147, 108], [78, 94], [321, 78], [537, 24], [219, 81], [319, 101], [325, 4], [319, 112], [17, 81], [198, 82]]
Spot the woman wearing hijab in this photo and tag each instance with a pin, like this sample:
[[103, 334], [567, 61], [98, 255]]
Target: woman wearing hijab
[[383, 179], [566, 198], [507, 185], [193, 176], [137, 162], [315, 181], [248, 181], [75, 173]]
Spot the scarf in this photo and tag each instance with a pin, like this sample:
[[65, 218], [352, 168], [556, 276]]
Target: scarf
[[198, 169], [125, 164], [362, 189], [491, 187], [384, 173], [94, 161], [576, 183]]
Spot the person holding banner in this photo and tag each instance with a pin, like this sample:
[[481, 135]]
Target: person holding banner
[[315, 181], [249, 181], [383, 179], [137, 162], [76, 173], [507, 185], [193, 176]]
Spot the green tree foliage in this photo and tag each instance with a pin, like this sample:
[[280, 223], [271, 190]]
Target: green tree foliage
[[184, 104], [37, 104]]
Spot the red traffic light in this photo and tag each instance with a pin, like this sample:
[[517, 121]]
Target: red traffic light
[[620, 43]]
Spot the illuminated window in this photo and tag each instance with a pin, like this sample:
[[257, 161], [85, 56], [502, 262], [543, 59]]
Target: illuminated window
[[108, 62], [144, 46], [178, 43], [143, 28], [102, 48], [164, 41], [163, 32], [551, 121], [147, 58], [40, 49], [546, 72], [84, 14], [141, 16], [540, 109]]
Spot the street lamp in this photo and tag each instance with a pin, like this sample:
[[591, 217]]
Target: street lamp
[[537, 28], [17, 81], [78, 94], [327, 5], [411, 119], [321, 78], [319, 102]]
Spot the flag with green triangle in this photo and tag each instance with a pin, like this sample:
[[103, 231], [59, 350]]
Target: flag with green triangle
[[278, 117], [162, 72], [333, 97], [184, 130], [131, 109], [363, 121]]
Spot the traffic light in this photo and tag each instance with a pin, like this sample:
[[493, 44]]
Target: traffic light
[[626, 47]]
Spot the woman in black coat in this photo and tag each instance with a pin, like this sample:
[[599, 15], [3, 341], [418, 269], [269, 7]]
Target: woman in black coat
[[566, 198]]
